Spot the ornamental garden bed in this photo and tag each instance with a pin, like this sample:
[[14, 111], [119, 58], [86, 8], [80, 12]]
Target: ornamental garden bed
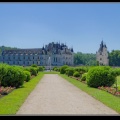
[[112, 90], [5, 90]]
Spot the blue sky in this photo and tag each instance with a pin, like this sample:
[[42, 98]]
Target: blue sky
[[80, 25]]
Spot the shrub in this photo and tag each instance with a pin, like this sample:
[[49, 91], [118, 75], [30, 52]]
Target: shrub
[[40, 68], [14, 77], [76, 74], [115, 71], [81, 69], [3, 71], [54, 68], [69, 71], [83, 78], [100, 76], [33, 71], [62, 69], [27, 74], [33, 65], [27, 69], [37, 69]]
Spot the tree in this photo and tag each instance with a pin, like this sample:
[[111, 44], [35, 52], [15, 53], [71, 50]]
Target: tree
[[114, 58], [84, 58]]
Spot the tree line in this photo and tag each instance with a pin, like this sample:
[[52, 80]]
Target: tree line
[[90, 58]]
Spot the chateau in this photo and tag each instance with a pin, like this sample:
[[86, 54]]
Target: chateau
[[54, 54], [102, 55]]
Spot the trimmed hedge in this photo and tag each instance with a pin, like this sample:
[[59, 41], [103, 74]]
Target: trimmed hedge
[[27, 74], [69, 71], [83, 78], [41, 68], [62, 69], [33, 71], [14, 77], [76, 74], [100, 76]]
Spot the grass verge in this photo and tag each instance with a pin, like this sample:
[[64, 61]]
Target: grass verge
[[104, 97], [11, 103], [118, 82]]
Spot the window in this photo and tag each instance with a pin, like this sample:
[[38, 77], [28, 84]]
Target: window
[[100, 58]]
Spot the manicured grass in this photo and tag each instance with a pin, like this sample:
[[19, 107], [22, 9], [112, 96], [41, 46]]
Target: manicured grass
[[11, 103], [118, 82], [106, 98]]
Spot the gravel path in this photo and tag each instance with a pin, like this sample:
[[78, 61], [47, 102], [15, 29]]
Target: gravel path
[[56, 96]]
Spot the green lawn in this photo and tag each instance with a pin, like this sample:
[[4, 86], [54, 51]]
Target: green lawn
[[106, 98], [118, 82], [11, 103]]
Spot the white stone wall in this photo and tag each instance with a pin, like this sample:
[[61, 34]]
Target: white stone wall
[[28, 59], [103, 59]]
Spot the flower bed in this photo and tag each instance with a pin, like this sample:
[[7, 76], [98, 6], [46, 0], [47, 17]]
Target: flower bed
[[110, 90], [6, 90], [77, 78]]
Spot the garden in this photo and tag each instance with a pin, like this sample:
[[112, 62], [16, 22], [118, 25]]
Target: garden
[[102, 77], [13, 77]]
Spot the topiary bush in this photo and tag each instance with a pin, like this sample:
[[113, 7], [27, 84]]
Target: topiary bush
[[115, 71], [33, 65], [83, 78], [33, 71], [100, 76], [62, 69], [69, 71], [56, 68], [27, 69], [3, 71], [40, 68], [14, 77], [37, 69], [27, 74], [76, 74]]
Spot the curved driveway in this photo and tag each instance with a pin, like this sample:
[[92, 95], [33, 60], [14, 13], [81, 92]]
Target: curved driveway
[[55, 96]]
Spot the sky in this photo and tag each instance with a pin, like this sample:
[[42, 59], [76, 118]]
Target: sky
[[81, 25]]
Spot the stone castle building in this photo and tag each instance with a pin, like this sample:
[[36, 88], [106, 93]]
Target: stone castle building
[[54, 54], [102, 55]]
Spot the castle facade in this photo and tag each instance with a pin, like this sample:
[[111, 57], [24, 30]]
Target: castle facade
[[54, 54]]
